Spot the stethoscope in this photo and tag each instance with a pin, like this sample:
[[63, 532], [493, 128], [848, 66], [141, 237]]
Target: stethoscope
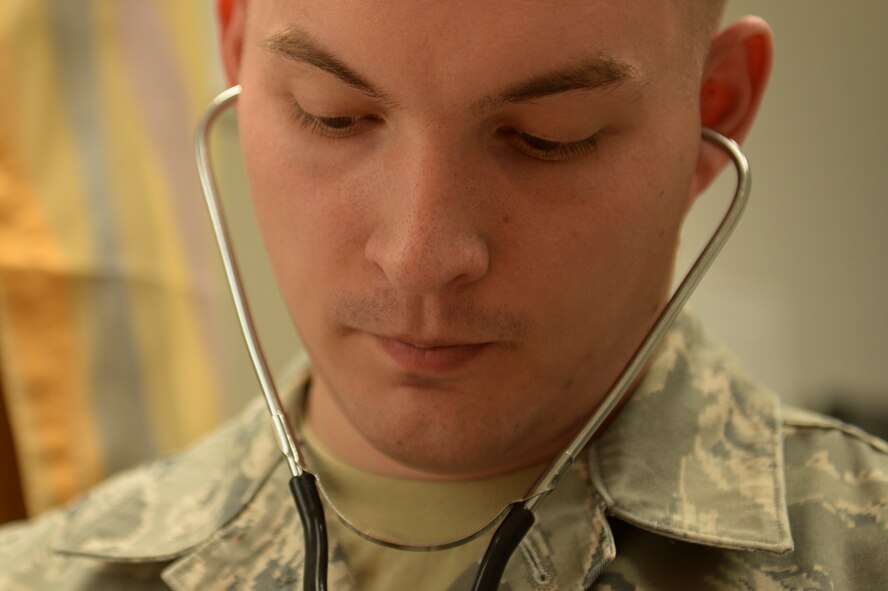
[[516, 519]]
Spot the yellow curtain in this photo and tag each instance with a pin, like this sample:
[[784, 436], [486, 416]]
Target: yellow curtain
[[109, 302]]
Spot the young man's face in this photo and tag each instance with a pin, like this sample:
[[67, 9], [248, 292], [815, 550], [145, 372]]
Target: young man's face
[[473, 224]]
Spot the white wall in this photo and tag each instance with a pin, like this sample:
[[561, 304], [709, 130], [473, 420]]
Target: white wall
[[801, 291]]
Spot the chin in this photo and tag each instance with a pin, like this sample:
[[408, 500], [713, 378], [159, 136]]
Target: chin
[[446, 460], [444, 435]]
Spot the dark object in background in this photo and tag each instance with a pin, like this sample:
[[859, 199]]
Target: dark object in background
[[12, 503], [848, 406]]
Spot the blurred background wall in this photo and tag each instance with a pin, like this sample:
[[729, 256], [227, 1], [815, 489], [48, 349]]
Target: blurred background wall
[[117, 339], [801, 292], [114, 331]]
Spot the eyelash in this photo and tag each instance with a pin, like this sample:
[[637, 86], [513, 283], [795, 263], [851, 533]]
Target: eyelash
[[535, 147], [548, 150], [333, 127]]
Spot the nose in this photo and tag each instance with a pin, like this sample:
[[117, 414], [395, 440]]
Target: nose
[[429, 236]]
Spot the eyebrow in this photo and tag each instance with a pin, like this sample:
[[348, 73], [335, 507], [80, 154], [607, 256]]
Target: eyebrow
[[595, 73], [294, 43]]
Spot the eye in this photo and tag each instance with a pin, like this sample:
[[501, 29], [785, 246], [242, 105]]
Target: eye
[[334, 127], [549, 150]]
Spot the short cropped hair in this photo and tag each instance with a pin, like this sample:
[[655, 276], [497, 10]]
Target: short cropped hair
[[705, 17]]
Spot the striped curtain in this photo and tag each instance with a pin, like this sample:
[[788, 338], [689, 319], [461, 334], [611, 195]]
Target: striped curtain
[[110, 307]]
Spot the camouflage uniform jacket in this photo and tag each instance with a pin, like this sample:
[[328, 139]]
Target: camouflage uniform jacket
[[701, 482]]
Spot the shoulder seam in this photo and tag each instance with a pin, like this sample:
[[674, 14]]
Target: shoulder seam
[[817, 422]]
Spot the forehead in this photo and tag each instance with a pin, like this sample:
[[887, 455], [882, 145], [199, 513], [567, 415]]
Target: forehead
[[435, 47]]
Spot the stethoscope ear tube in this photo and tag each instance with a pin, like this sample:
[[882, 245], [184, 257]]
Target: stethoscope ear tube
[[519, 518], [505, 540], [314, 528], [302, 484]]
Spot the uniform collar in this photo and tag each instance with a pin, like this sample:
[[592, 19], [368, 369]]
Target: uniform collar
[[162, 510], [695, 455]]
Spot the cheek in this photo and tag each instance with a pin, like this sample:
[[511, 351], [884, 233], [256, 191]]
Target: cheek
[[608, 253], [310, 230]]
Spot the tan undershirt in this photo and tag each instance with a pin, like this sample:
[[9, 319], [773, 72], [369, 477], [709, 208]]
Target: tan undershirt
[[410, 511]]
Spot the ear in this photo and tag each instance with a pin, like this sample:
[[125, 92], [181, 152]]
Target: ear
[[232, 20], [735, 76]]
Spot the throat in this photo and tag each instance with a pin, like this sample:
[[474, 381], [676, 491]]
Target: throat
[[411, 511]]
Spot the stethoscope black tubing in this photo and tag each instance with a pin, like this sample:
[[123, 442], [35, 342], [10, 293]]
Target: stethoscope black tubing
[[508, 535], [314, 527], [505, 540]]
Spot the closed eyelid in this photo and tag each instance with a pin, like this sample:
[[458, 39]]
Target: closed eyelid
[[343, 126], [332, 127], [550, 150]]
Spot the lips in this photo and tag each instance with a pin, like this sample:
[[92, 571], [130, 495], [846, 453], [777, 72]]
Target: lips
[[438, 358]]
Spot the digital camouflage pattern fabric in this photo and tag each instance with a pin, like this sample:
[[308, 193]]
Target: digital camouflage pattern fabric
[[703, 481]]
